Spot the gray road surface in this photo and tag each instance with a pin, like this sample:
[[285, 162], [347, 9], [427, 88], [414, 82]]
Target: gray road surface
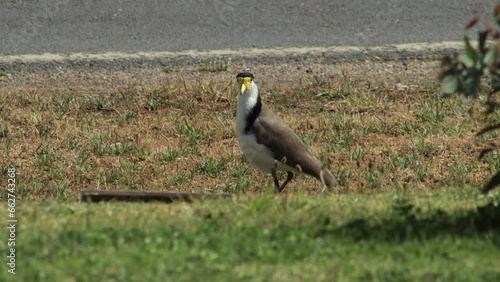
[[95, 26]]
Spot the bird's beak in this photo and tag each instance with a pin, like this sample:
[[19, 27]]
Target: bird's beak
[[245, 84]]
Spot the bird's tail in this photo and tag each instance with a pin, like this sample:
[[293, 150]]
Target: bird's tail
[[327, 179]]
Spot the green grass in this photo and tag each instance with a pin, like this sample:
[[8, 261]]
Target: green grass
[[432, 236], [180, 179], [194, 136], [168, 155], [212, 167]]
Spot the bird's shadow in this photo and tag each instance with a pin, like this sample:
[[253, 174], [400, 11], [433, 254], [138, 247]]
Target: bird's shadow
[[408, 222]]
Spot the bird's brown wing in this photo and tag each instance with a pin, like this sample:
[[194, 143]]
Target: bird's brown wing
[[272, 132]]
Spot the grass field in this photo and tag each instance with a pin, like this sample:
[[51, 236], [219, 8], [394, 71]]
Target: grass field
[[408, 208], [435, 236]]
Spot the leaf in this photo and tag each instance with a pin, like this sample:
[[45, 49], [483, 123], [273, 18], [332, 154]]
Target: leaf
[[469, 50], [468, 62], [446, 63], [482, 40], [496, 13], [471, 82], [449, 84], [472, 23], [494, 181], [490, 56]]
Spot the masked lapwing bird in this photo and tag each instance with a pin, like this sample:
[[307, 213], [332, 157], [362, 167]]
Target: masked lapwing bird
[[268, 143]]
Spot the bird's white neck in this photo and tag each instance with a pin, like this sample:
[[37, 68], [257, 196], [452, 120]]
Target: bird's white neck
[[246, 103]]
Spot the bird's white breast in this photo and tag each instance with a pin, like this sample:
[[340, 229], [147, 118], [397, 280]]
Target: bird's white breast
[[257, 154]]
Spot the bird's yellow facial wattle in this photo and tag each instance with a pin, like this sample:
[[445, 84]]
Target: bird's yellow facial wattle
[[244, 83]]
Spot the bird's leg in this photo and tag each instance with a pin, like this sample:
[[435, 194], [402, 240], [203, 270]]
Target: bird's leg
[[322, 178], [288, 178], [276, 182], [277, 187]]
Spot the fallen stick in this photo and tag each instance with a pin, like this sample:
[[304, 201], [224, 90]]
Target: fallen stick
[[129, 196]]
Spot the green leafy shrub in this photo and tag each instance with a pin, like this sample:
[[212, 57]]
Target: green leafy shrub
[[462, 75]]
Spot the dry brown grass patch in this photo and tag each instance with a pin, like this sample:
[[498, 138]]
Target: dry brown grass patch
[[377, 125]]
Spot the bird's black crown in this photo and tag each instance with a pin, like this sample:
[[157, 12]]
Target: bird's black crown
[[245, 74]]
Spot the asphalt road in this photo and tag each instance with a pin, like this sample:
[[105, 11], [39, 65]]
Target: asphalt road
[[95, 26]]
